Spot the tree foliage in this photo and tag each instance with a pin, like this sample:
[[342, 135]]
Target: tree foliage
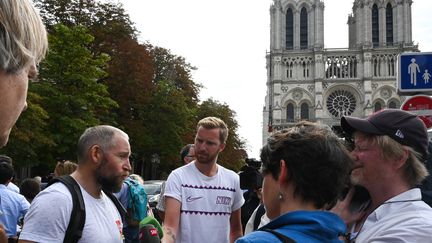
[[97, 72], [234, 154], [29, 137], [70, 90]]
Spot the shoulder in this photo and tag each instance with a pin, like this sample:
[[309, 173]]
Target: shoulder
[[11, 186], [181, 171], [228, 173], [56, 192], [258, 236]]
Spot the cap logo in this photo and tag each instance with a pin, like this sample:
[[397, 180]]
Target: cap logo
[[399, 134]]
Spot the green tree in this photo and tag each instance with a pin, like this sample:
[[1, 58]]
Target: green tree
[[168, 117], [71, 94], [234, 153], [29, 137], [102, 18], [175, 68]]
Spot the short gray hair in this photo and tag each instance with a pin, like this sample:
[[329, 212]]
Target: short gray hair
[[102, 135], [23, 37]]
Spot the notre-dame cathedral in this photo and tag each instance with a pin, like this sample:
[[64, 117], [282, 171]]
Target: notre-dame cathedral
[[305, 81]]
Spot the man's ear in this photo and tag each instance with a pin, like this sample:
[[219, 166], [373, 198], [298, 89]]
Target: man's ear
[[222, 147], [96, 154], [401, 161]]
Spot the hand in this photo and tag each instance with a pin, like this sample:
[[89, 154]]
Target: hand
[[342, 208], [3, 237]]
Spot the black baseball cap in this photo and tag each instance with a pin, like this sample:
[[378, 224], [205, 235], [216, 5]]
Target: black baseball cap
[[402, 126]]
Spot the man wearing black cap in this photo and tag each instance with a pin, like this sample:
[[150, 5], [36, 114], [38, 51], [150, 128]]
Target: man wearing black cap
[[390, 147]]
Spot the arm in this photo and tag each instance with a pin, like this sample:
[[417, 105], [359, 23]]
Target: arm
[[25, 205], [46, 221], [342, 210], [235, 226], [3, 237], [172, 219]]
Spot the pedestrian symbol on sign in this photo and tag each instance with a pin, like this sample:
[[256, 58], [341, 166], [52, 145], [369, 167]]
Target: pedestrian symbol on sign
[[413, 68], [414, 75], [426, 76]]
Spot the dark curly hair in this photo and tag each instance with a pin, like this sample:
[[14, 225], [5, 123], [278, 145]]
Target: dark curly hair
[[318, 163]]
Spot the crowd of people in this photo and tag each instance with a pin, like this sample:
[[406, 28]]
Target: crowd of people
[[309, 189]]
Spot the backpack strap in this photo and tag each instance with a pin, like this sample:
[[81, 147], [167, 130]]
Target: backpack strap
[[77, 220], [280, 236], [257, 220], [116, 202]]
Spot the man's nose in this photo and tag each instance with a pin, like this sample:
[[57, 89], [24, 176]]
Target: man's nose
[[127, 166]]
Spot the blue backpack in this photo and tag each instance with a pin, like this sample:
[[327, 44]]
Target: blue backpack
[[137, 202]]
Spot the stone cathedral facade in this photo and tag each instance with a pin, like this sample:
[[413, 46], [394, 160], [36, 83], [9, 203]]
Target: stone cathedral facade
[[306, 81]]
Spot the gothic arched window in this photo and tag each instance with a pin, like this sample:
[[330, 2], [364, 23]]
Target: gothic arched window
[[290, 112], [393, 104], [303, 29], [377, 106], [304, 111], [375, 26], [289, 29], [389, 24]]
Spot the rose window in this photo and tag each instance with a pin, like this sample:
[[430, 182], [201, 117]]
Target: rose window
[[341, 103]]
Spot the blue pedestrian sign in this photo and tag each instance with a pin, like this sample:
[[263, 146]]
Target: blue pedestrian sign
[[415, 72]]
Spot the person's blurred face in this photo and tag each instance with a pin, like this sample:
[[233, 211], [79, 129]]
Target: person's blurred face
[[370, 166], [190, 156], [207, 145], [270, 196], [115, 166], [13, 93]]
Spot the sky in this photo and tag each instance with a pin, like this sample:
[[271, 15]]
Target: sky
[[227, 41]]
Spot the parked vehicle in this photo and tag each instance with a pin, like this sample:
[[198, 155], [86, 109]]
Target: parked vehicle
[[153, 189]]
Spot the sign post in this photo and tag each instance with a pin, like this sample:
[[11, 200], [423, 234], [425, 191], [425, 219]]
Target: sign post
[[415, 73], [421, 105]]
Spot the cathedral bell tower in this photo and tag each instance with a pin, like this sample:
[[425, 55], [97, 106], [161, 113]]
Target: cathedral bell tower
[[306, 81]]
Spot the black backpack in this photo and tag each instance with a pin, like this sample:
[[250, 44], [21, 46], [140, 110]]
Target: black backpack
[[76, 224]]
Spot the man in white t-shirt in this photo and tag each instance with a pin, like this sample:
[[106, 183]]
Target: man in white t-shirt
[[203, 199], [103, 162]]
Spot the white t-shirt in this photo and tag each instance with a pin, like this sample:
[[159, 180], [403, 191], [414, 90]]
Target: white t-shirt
[[13, 187], [403, 218], [50, 212], [206, 203], [250, 224]]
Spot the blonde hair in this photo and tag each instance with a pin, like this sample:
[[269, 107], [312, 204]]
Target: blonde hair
[[414, 170], [23, 37], [65, 168], [214, 122]]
